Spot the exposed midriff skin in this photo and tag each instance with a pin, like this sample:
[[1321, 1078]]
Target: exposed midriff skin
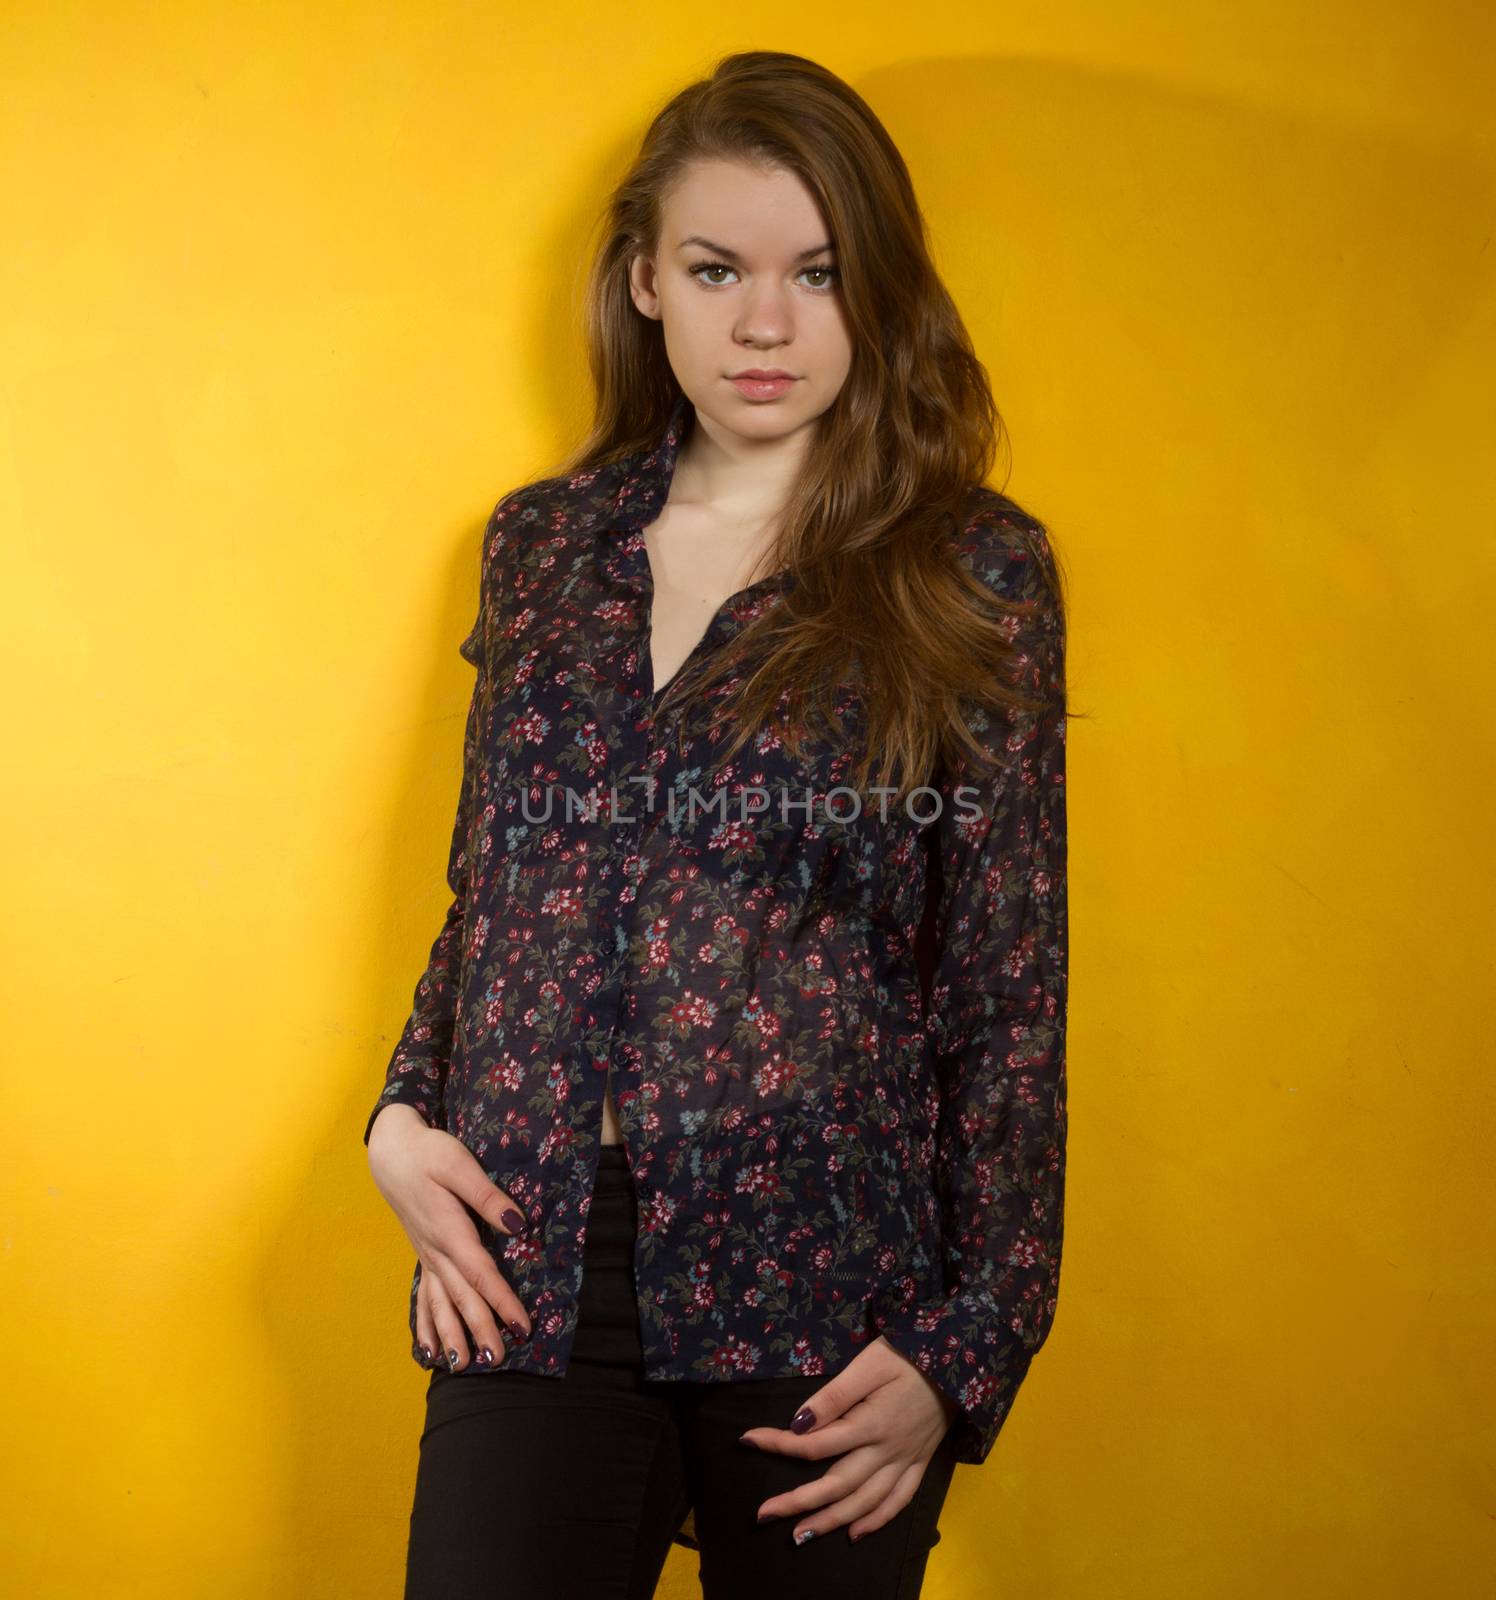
[[612, 1133]]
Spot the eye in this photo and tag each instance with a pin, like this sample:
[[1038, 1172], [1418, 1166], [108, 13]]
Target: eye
[[701, 268], [830, 271]]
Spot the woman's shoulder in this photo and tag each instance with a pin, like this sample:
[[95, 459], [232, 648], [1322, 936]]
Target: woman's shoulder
[[1006, 545], [540, 510], [539, 499]]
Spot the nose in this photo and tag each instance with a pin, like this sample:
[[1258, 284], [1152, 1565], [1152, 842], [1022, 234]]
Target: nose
[[767, 317]]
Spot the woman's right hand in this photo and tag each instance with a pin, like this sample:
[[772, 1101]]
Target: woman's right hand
[[425, 1175]]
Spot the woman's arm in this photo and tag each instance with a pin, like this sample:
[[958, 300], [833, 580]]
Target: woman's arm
[[417, 1072], [997, 1018]]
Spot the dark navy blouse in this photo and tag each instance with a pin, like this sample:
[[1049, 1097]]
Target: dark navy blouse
[[830, 1138]]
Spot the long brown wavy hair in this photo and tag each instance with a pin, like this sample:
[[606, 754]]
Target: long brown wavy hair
[[880, 598]]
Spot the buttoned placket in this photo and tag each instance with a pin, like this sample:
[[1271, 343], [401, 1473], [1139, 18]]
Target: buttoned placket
[[639, 502], [640, 738], [639, 803]]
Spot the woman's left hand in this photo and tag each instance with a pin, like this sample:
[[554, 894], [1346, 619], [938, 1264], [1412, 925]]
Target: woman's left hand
[[883, 1419]]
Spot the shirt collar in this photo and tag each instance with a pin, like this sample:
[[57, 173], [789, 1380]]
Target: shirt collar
[[646, 481]]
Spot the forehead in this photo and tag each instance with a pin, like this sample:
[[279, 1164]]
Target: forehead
[[753, 210]]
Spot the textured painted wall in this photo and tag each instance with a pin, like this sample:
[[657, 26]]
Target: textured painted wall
[[288, 296]]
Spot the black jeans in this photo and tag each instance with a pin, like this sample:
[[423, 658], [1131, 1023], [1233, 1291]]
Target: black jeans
[[573, 1487]]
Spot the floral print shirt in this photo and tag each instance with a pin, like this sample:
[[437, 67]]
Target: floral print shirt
[[827, 1141]]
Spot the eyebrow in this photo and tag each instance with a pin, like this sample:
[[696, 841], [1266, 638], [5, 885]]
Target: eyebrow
[[732, 255]]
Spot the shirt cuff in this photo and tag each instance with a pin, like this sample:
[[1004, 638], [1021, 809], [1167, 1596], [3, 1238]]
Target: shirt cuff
[[406, 1092], [975, 1360]]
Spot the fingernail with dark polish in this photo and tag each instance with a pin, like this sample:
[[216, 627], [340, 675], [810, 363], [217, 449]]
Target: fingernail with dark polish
[[513, 1221], [804, 1534], [804, 1420], [768, 1516], [426, 1351], [518, 1330], [452, 1360], [485, 1356]]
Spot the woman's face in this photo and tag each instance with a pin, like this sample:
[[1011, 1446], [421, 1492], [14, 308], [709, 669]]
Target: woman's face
[[745, 280]]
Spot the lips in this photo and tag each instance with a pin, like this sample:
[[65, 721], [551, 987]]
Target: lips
[[757, 387]]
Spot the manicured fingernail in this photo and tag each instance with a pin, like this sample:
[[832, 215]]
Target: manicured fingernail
[[768, 1516], [518, 1330], [426, 1351], [452, 1360], [804, 1420], [513, 1221], [804, 1534], [485, 1356]]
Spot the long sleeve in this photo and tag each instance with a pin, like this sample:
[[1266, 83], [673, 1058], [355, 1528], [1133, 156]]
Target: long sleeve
[[417, 1071], [997, 1021]]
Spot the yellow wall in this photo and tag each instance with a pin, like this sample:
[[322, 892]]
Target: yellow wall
[[287, 296]]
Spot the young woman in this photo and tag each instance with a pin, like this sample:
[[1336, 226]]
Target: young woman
[[728, 1125]]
